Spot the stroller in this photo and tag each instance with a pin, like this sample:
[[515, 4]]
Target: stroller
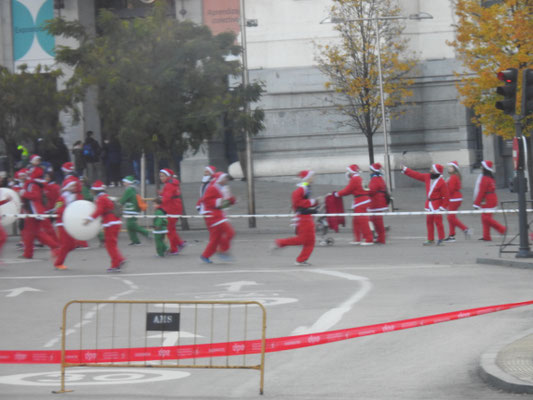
[[332, 205]]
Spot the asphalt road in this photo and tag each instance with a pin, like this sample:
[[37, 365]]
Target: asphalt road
[[346, 287]]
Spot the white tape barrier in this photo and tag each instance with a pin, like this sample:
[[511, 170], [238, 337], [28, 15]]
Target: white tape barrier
[[392, 214]]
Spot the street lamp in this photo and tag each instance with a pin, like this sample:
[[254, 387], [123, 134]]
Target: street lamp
[[416, 17]]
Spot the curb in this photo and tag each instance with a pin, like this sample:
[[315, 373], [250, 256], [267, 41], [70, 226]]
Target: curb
[[492, 374], [505, 263]]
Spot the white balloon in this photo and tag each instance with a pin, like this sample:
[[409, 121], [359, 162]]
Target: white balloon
[[74, 217], [11, 207]]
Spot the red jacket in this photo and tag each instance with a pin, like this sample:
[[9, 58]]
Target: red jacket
[[52, 193], [454, 188], [485, 193], [74, 180], [437, 197], [377, 189], [170, 200], [355, 188], [213, 201], [302, 204], [33, 194], [104, 208]]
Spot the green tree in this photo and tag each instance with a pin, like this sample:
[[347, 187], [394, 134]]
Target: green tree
[[29, 107], [491, 39], [351, 64], [162, 84]]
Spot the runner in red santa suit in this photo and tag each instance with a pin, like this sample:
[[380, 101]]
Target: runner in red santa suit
[[32, 197], [51, 194], [456, 198], [209, 173], [304, 206], [437, 199], [377, 189], [3, 234], [110, 222], [217, 197], [485, 198], [66, 242], [361, 202], [171, 203], [75, 185]]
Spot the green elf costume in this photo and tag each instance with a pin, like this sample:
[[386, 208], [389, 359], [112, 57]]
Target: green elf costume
[[160, 231], [130, 208]]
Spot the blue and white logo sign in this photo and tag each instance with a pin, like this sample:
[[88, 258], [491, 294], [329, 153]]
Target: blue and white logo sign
[[32, 45]]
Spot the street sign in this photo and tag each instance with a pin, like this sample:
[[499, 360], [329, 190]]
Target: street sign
[[162, 321]]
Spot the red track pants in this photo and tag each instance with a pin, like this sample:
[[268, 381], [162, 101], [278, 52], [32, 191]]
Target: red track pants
[[66, 244], [379, 226], [453, 221], [305, 236], [33, 229], [3, 238], [219, 239], [360, 225], [173, 237], [111, 245], [489, 222], [435, 220]]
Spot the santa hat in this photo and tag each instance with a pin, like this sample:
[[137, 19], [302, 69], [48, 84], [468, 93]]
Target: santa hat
[[20, 173], [167, 171], [210, 169], [128, 179], [305, 175], [219, 176], [454, 164], [98, 185], [437, 168], [488, 165], [35, 158], [354, 168], [71, 181], [376, 167], [68, 167]]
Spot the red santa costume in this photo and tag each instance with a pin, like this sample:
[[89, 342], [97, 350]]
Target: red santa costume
[[32, 196], [456, 198], [75, 186], [361, 202], [111, 224], [304, 207], [216, 198], [66, 242], [377, 189], [171, 203], [209, 173], [51, 192], [485, 198], [437, 199], [3, 234]]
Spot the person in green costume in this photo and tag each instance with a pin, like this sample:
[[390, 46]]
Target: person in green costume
[[160, 229], [131, 208]]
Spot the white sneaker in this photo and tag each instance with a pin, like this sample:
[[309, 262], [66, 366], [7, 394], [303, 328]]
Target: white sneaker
[[468, 233], [355, 243], [302, 264], [367, 243]]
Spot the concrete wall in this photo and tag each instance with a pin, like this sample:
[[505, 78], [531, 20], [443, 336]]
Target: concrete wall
[[6, 35]]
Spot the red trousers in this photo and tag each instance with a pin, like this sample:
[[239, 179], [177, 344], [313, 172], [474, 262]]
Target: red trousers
[[453, 221], [435, 220], [33, 229], [489, 222], [360, 225], [377, 220], [111, 245], [3, 238], [49, 229], [305, 236], [66, 244], [219, 239], [173, 237]]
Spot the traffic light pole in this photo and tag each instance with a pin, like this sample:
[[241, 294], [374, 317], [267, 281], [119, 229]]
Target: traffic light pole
[[524, 250]]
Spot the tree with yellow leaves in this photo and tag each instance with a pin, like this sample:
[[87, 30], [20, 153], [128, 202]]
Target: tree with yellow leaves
[[491, 39], [351, 63]]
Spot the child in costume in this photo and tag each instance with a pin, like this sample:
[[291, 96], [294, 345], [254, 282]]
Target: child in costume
[[131, 208]]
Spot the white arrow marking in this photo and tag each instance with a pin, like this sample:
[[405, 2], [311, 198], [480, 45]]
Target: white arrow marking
[[18, 291], [171, 338], [237, 286]]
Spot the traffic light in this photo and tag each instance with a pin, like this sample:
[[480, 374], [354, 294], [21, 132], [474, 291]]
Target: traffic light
[[527, 92], [508, 91]]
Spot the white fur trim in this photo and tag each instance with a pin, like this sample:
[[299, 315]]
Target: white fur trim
[[164, 172], [434, 168], [208, 168], [452, 164], [486, 166]]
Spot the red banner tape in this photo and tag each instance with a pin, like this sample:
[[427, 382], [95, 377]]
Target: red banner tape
[[235, 348]]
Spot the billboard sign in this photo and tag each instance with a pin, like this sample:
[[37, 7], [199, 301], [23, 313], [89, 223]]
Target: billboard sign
[[221, 15]]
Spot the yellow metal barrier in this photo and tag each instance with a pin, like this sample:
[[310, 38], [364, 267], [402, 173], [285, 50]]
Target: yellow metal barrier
[[123, 324]]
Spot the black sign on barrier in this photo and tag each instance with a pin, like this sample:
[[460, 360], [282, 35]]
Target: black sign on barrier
[[163, 321]]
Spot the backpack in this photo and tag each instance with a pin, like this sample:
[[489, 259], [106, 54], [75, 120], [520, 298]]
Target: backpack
[[88, 151], [143, 205]]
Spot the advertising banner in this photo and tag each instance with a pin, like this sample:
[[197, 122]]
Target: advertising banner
[[221, 15]]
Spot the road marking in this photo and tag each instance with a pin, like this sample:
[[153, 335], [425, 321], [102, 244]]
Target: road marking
[[331, 317], [18, 291], [171, 338], [237, 286], [93, 376]]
